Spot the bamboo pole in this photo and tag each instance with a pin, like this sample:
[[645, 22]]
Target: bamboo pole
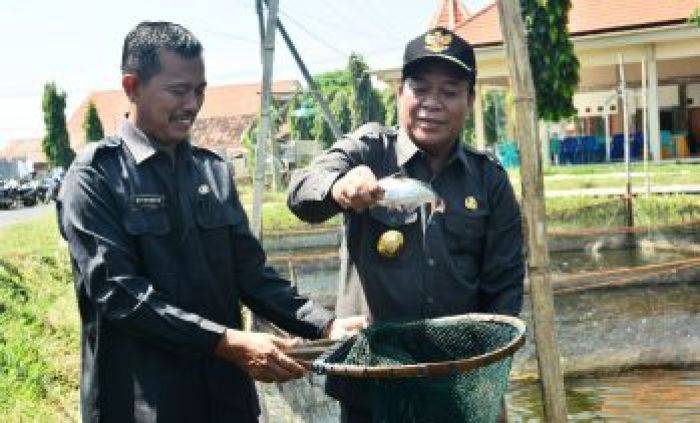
[[268, 55], [551, 378], [629, 213], [645, 123]]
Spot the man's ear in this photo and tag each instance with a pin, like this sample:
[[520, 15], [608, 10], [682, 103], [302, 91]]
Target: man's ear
[[131, 85]]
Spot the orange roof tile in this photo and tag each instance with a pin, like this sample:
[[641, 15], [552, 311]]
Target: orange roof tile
[[587, 17], [111, 107], [221, 134], [239, 100], [450, 14]]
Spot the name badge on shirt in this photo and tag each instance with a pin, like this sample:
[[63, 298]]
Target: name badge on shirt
[[148, 201]]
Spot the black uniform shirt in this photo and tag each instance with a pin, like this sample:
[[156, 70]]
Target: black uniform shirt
[[463, 257], [162, 255]]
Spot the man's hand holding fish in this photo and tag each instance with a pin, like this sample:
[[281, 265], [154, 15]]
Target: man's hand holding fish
[[357, 190]]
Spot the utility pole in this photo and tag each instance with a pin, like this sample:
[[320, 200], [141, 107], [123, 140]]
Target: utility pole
[[268, 55], [515, 43]]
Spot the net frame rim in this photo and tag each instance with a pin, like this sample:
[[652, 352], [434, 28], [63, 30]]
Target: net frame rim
[[444, 368]]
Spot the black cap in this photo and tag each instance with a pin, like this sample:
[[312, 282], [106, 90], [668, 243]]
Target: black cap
[[441, 43]]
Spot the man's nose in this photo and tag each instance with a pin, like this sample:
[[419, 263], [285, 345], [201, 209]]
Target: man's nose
[[192, 102], [431, 101]]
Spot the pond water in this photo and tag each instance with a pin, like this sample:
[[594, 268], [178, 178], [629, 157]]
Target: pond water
[[316, 271], [646, 396], [578, 261], [598, 330]]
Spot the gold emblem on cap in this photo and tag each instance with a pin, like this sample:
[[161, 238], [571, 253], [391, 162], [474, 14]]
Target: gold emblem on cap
[[390, 244], [204, 189], [437, 41], [470, 203]]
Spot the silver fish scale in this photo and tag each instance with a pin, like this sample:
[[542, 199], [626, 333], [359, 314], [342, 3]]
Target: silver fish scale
[[404, 193]]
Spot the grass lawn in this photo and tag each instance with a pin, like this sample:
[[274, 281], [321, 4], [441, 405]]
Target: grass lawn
[[276, 215], [39, 330], [581, 213], [613, 175]]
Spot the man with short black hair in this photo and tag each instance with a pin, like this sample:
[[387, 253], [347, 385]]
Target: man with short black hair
[[162, 256], [468, 255]]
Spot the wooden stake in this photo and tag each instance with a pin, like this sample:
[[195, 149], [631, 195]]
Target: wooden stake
[[551, 377]]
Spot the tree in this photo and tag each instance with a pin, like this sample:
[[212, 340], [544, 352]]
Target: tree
[[56, 144], [494, 116], [352, 100], [468, 134], [552, 57], [390, 109], [92, 124], [365, 102], [321, 130], [694, 17], [340, 108], [300, 116]]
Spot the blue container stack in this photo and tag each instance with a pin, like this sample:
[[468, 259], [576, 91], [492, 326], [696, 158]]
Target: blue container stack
[[617, 150]]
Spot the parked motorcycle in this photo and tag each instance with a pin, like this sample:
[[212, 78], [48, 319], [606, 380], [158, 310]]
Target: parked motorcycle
[[9, 193], [27, 193]]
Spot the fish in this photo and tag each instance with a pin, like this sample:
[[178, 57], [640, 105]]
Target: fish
[[406, 194]]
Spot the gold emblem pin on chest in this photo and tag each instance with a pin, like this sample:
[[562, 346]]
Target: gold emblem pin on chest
[[470, 203], [204, 189], [390, 244]]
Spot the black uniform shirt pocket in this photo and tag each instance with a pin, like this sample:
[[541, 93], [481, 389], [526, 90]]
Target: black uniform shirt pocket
[[150, 230], [140, 222], [465, 231], [215, 220]]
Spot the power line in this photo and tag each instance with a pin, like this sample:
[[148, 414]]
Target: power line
[[369, 31], [312, 35], [242, 39], [335, 24], [375, 17]]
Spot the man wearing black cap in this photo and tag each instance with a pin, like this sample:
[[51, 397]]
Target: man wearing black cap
[[468, 255]]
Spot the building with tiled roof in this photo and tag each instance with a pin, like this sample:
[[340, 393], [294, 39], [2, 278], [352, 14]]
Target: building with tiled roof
[[23, 149], [587, 17], [450, 14], [227, 111], [26, 154], [655, 35]]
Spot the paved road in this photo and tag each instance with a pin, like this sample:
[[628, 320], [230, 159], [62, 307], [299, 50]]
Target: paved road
[[12, 216]]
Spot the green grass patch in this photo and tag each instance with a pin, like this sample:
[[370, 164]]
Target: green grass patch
[[613, 175], [596, 213], [39, 346], [666, 209], [584, 212], [276, 214]]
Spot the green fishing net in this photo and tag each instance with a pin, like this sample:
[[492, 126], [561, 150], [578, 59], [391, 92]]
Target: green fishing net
[[474, 395]]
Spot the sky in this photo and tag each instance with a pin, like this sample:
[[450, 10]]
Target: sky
[[77, 43]]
